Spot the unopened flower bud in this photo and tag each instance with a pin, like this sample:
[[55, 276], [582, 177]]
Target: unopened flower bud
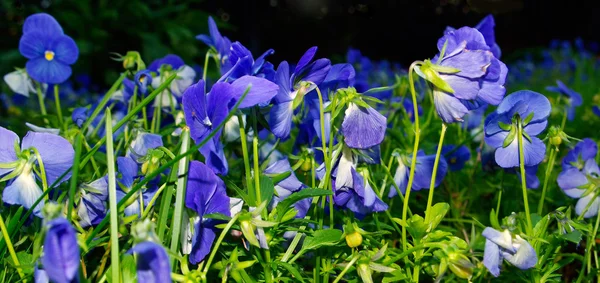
[[354, 239]]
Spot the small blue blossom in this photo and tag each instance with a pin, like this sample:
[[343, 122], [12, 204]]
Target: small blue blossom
[[423, 172], [287, 186], [359, 197], [503, 245], [128, 175], [152, 262], [61, 252], [573, 98], [456, 157], [92, 207]]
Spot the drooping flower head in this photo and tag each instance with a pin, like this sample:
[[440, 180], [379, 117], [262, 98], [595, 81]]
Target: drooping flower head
[[363, 127], [465, 74], [503, 245], [92, 206], [61, 252], [205, 194], [19, 82], [359, 197], [528, 109], [292, 89], [152, 262], [49, 50], [220, 44], [572, 97], [142, 150], [423, 172], [243, 64], [56, 154], [579, 177], [143, 79]]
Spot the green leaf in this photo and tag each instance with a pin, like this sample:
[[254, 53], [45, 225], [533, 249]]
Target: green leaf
[[328, 237], [445, 70], [494, 220], [574, 236], [266, 189], [427, 72], [416, 226], [217, 216], [438, 211], [295, 273], [128, 268], [25, 259], [285, 204], [505, 126], [510, 137], [276, 178]]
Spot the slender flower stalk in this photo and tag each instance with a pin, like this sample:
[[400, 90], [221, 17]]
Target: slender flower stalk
[[180, 195], [413, 164], [75, 176], [551, 160], [40, 96], [112, 200], [433, 177], [61, 122], [523, 175]]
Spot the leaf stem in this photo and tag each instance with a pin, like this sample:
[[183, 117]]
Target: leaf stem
[[523, 180], [434, 173]]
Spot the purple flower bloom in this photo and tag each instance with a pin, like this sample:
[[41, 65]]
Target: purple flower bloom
[[287, 186], [80, 115], [359, 197], [576, 179], [205, 195], [138, 149], [502, 245], [143, 79], [128, 176], [292, 89], [49, 50], [165, 67], [456, 157], [486, 27], [61, 252], [243, 64], [363, 127], [529, 108], [92, 206], [57, 156], [423, 173], [152, 262], [467, 75], [573, 98], [205, 111], [219, 43]]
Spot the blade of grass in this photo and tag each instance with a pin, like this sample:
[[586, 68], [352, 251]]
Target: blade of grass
[[180, 194], [112, 201]]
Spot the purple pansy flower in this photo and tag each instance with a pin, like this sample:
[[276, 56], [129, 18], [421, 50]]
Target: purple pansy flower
[[61, 252], [92, 206], [243, 64], [573, 98], [165, 67], [57, 155], [138, 149], [423, 173], [486, 27], [287, 186], [502, 245], [205, 194], [205, 111], [49, 50], [576, 180], [529, 108], [292, 89], [359, 197], [152, 262], [143, 79], [456, 157], [220, 44], [128, 176]]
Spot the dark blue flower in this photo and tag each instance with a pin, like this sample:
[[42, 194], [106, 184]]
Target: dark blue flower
[[423, 173], [292, 89], [287, 186], [138, 149], [57, 155], [92, 206], [456, 157], [143, 79], [243, 64], [61, 252], [486, 27], [573, 98], [529, 108], [49, 50], [80, 115], [219, 43], [467, 76], [502, 245], [580, 171], [205, 194], [359, 197], [152, 262], [128, 175]]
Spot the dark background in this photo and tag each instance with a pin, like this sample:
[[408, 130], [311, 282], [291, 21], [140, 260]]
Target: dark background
[[401, 31]]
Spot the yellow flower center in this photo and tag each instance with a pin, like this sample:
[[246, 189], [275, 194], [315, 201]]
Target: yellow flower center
[[49, 55]]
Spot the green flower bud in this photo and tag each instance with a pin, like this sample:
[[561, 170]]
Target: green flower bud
[[354, 239], [460, 265]]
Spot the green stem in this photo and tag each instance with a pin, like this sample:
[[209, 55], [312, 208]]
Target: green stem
[[256, 170], [546, 178], [415, 149], [434, 173], [42, 174], [523, 181], [205, 66], [325, 156], [11, 249], [40, 96], [180, 193], [112, 199], [75, 176], [61, 122], [350, 264], [103, 102], [244, 141], [218, 243]]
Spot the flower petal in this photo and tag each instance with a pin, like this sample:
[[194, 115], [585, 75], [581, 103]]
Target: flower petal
[[492, 258], [363, 127], [201, 243], [152, 262], [65, 50], [280, 119], [8, 140], [43, 23], [56, 152], [533, 151], [61, 252], [571, 178], [19, 82], [24, 191], [50, 72], [525, 257], [448, 107], [260, 90], [582, 204]]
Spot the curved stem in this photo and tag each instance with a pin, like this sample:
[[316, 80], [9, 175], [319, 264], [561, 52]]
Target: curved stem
[[415, 149], [434, 173], [58, 109], [350, 264], [218, 243], [325, 155], [551, 160], [40, 96], [523, 180]]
